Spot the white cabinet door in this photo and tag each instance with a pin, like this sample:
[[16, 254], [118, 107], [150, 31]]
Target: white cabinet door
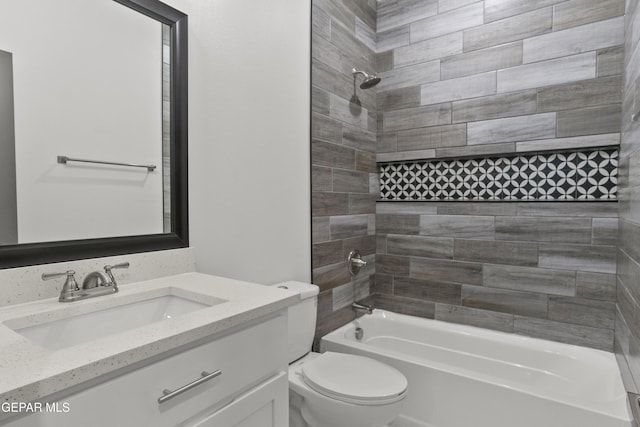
[[264, 406]]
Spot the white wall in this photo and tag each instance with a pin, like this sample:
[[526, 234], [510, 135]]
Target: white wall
[[87, 88], [249, 137]]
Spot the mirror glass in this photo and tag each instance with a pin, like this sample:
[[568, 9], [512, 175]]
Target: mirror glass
[[92, 127]]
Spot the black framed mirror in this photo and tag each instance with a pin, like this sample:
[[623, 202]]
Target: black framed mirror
[[25, 254]]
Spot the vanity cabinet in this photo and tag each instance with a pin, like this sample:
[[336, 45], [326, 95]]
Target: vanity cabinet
[[250, 390]]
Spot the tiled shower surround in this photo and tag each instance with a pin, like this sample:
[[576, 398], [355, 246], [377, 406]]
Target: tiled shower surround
[[466, 79]]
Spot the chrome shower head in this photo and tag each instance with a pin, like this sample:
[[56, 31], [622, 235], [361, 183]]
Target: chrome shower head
[[370, 80]]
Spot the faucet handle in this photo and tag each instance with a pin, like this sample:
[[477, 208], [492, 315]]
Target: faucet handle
[[49, 276], [108, 268], [70, 285], [121, 265]]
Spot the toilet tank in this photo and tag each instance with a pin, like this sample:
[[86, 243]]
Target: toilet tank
[[302, 319]]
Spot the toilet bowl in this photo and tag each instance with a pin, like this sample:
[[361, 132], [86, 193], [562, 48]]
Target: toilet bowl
[[339, 390], [334, 389]]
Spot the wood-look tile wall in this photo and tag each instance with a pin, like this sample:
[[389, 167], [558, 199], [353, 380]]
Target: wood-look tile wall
[[471, 78], [543, 269], [465, 78], [627, 325], [343, 153]]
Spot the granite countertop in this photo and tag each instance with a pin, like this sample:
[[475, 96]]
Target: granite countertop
[[30, 372]]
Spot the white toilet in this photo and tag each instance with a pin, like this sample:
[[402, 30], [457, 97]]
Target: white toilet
[[334, 389]]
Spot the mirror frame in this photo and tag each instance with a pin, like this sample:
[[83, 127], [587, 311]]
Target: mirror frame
[[26, 254]]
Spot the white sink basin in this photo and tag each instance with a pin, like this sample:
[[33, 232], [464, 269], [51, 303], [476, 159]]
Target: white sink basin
[[87, 327]]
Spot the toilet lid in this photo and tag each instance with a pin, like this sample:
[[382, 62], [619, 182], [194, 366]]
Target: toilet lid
[[354, 379]]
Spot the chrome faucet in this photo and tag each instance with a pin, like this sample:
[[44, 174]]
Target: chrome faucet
[[361, 308], [94, 285]]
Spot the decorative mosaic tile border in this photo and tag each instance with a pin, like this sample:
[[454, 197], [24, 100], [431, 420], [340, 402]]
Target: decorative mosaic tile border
[[576, 175]]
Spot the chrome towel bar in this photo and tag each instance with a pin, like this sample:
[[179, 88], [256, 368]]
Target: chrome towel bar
[[65, 159]]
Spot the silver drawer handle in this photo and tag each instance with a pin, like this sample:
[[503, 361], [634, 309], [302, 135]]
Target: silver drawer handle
[[168, 394]]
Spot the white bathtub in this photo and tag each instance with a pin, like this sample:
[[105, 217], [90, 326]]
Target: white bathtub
[[462, 376]]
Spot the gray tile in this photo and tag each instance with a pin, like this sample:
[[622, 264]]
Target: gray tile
[[459, 88], [327, 253], [320, 229], [420, 246], [329, 203], [327, 57], [383, 284], [544, 229], [397, 224], [362, 204], [428, 50], [327, 154], [511, 29], [448, 22], [599, 314], [325, 128], [478, 208], [343, 296], [497, 252], [596, 286], [474, 317], [339, 14], [406, 155], [478, 61], [430, 115], [605, 231], [442, 292], [505, 301], [393, 265], [393, 38], [530, 279], [576, 209], [397, 99], [589, 121], [394, 13], [321, 179], [446, 271], [319, 101], [330, 276], [500, 9], [446, 5], [366, 162], [345, 181], [565, 332], [599, 35], [598, 259], [412, 75], [321, 22], [365, 244], [578, 12], [346, 226], [386, 142], [403, 305], [366, 34], [523, 128], [548, 73], [585, 141], [415, 208], [477, 150], [348, 112], [475, 227], [358, 138], [432, 137], [495, 107], [610, 61], [586, 93]]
